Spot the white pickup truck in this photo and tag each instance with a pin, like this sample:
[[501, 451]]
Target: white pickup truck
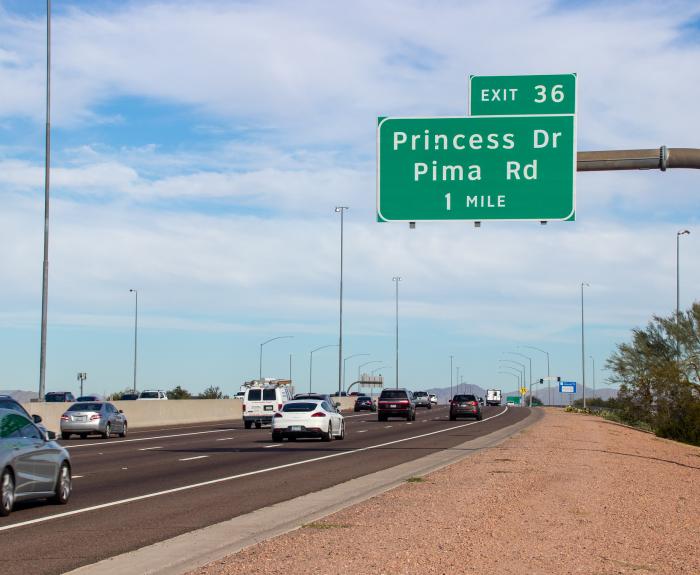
[[493, 397]]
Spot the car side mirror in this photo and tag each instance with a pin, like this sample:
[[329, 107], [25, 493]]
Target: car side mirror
[[121, 411], [49, 436], [36, 418], [449, 401], [336, 404]]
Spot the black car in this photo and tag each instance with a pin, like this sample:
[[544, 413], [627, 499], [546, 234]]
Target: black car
[[465, 405], [129, 396], [364, 403], [59, 397], [396, 403]]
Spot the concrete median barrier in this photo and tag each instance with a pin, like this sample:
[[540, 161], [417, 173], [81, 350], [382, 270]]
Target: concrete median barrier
[[144, 413]]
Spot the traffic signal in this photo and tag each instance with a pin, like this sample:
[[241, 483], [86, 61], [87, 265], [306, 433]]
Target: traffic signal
[[558, 378], [541, 380]]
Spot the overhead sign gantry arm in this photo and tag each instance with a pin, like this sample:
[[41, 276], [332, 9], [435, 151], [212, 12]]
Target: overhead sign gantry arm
[[654, 159]]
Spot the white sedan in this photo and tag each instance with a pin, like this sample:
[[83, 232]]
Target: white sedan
[[308, 418]]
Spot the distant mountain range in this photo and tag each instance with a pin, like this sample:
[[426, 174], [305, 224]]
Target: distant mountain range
[[443, 393], [19, 395]]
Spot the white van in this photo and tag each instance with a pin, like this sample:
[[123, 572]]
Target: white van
[[260, 404]]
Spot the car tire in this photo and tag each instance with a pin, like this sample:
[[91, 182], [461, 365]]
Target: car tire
[[64, 485], [276, 437], [430, 406], [65, 436], [328, 436], [108, 431], [258, 424], [453, 417], [479, 417], [292, 438], [83, 435], [7, 492], [413, 416], [381, 417], [342, 431], [247, 424], [124, 431]]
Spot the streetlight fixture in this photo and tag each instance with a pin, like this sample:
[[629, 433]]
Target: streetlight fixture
[[530, 360], [261, 350], [136, 329], [516, 376], [678, 272], [522, 365], [397, 279], [375, 370], [583, 348], [347, 358], [359, 367], [311, 360], [549, 382], [47, 169], [341, 210]]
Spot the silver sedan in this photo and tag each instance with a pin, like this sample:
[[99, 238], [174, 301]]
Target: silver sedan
[[93, 417], [32, 464]]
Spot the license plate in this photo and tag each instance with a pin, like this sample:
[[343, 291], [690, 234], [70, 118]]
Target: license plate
[[81, 418], [268, 408], [296, 427], [392, 405]]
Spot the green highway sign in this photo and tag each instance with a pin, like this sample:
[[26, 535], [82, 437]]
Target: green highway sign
[[509, 95], [466, 168]]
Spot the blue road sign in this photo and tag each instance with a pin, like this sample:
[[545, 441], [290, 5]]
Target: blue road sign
[[567, 387]]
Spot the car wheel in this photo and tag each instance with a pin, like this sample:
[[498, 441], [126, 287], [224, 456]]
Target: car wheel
[[276, 436], [247, 424], [108, 431], [381, 417], [7, 493], [430, 406], [328, 436], [123, 433], [453, 417], [63, 485], [258, 424], [83, 435], [479, 417], [413, 416], [342, 431], [291, 438], [65, 435]]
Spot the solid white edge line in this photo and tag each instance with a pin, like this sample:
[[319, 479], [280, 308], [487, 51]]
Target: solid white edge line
[[239, 476]]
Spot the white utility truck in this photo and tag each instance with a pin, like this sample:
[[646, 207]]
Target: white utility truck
[[493, 397]]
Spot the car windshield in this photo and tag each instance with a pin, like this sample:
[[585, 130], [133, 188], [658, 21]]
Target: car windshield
[[149, 395], [269, 394], [254, 395], [419, 394], [364, 398], [298, 407], [85, 407], [393, 394]]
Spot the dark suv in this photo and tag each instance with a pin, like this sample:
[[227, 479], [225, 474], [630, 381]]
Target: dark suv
[[59, 397], [364, 402], [396, 403], [465, 405]]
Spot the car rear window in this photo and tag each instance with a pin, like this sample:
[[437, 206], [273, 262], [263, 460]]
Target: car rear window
[[59, 397], [85, 407], [269, 395], [393, 394], [465, 398], [149, 395], [254, 395], [298, 407], [419, 394]]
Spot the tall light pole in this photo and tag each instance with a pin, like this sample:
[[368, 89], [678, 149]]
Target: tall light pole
[[520, 374], [593, 371], [451, 373], [82, 376], [678, 272], [341, 210], [530, 360], [47, 166], [261, 350], [549, 382], [522, 366], [396, 280], [311, 360], [136, 330], [583, 349], [347, 358]]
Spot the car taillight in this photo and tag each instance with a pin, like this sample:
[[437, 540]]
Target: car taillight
[[279, 406], [318, 414], [244, 407], [473, 403], [94, 417], [402, 402], [278, 414], [65, 418]]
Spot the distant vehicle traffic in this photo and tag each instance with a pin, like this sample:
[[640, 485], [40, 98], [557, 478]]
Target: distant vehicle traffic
[[260, 404], [307, 418], [59, 397], [396, 403], [465, 405], [22, 445], [239, 395], [493, 397], [90, 398], [88, 418], [422, 399], [481, 401], [364, 403], [433, 399], [153, 394], [129, 396]]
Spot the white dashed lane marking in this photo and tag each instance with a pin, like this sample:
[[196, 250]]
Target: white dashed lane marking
[[224, 438], [149, 448], [362, 431], [191, 458]]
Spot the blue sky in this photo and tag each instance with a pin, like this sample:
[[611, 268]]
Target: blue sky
[[198, 151]]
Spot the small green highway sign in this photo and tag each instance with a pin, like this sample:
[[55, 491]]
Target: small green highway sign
[[509, 95], [476, 168]]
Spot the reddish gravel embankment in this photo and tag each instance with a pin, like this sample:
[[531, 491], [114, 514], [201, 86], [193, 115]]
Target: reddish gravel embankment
[[571, 494]]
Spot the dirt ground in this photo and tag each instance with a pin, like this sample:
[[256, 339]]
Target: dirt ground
[[570, 494]]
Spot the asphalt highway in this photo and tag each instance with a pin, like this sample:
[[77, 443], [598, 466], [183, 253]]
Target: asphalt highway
[[156, 484]]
